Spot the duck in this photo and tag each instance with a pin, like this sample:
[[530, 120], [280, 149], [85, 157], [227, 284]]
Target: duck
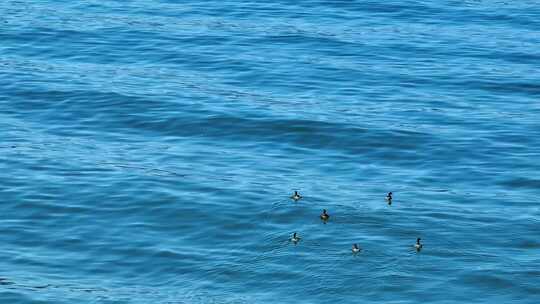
[[389, 198], [295, 238], [296, 196], [418, 245], [355, 248], [324, 216]]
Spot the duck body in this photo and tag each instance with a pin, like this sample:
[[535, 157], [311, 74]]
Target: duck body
[[389, 198], [355, 248], [295, 238], [324, 216], [418, 245], [296, 196]]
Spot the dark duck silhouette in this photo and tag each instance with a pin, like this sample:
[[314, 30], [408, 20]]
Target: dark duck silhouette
[[295, 238], [389, 198], [296, 196], [418, 246], [324, 215]]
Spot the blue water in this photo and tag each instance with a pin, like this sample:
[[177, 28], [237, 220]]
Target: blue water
[[149, 148]]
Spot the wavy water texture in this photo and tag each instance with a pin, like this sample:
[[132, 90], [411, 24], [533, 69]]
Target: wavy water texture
[[149, 149]]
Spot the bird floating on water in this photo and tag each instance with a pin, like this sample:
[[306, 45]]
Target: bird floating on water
[[355, 248], [324, 216], [389, 198], [295, 238], [418, 245], [296, 196]]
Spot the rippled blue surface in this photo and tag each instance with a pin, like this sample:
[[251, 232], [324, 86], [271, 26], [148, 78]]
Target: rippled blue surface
[[149, 148]]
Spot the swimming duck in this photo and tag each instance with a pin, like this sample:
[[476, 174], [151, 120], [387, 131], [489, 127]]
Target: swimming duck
[[296, 196], [324, 215], [418, 246], [355, 248], [389, 198], [295, 238]]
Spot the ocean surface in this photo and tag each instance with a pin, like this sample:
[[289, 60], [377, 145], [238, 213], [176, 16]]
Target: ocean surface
[[148, 151]]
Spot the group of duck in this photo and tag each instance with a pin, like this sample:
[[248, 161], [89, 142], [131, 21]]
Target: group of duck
[[295, 238]]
